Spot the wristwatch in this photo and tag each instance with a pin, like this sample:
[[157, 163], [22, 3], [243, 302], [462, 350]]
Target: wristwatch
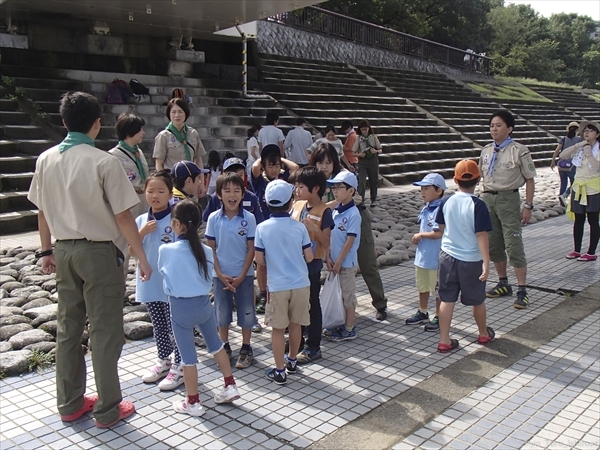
[[528, 205], [44, 253]]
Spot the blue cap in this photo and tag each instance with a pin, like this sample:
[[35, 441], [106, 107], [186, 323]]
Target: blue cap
[[233, 162], [345, 176], [432, 179], [278, 193], [185, 169]]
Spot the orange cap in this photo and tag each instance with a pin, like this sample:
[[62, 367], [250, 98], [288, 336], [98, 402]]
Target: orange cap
[[466, 170]]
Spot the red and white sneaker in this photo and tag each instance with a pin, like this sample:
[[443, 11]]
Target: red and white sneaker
[[160, 370], [184, 407], [173, 380], [573, 255], [587, 257]]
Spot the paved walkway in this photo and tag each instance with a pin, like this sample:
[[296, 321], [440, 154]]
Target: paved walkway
[[358, 378]]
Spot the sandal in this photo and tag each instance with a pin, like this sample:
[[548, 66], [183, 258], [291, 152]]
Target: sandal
[[126, 409], [445, 348], [88, 404], [487, 339]]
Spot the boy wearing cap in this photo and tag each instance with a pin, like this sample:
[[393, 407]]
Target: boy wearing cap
[[342, 257], [464, 260], [428, 241], [297, 141], [287, 279], [186, 180]]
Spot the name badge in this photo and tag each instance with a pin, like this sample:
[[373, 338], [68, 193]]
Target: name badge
[[313, 217], [246, 203]]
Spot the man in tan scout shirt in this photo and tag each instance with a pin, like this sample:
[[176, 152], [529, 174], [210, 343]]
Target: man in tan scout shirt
[[84, 197], [505, 166]]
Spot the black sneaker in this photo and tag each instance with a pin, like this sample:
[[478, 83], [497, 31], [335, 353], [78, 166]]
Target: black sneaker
[[290, 366], [418, 318], [307, 356], [500, 290], [381, 314], [260, 307], [433, 325], [278, 378], [522, 300]]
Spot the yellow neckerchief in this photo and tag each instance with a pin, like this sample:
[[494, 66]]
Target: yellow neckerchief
[[579, 193]]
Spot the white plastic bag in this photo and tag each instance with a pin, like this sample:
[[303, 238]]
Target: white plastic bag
[[332, 305]]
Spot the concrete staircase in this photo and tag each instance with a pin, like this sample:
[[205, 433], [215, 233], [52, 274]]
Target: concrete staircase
[[571, 99], [328, 93], [551, 117]]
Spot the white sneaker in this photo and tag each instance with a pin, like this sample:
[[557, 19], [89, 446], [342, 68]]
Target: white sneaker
[[228, 394], [173, 380], [182, 406], [160, 370]]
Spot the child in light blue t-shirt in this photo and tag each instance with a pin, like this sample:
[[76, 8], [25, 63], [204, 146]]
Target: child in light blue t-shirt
[[429, 242]]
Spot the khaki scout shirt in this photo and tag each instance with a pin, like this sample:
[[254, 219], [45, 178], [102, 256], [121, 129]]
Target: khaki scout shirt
[[80, 191], [512, 168], [168, 148], [131, 168]]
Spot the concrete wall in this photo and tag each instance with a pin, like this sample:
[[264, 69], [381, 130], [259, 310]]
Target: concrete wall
[[277, 39]]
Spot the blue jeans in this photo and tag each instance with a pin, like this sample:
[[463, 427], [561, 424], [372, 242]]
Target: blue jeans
[[186, 313], [564, 176], [244, 302]]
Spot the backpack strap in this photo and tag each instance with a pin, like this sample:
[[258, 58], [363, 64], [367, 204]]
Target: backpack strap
[[128, 155]]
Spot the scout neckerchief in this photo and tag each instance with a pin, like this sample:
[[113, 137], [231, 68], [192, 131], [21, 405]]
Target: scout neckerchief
[[181, 136], [138, 161], [74, 138], [497, 148]]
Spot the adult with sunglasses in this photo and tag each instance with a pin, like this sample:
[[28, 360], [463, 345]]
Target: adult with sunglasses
[[585, 191]]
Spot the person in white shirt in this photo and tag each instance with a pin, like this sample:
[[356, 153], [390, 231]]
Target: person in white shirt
[[270, 134], [252, 148], [297, 141]]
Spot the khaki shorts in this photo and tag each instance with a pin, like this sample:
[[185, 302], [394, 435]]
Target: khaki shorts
[[283, 307], [348, 285], [426, 280]]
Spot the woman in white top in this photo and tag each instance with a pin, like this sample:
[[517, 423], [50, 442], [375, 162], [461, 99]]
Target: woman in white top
[[330, 138], [252, 148]]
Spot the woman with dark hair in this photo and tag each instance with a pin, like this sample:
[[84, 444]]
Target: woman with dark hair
[[329, 137], [367, 147], [325, 158], [585, 198], [566, 170], [130, 131], [252, 148]]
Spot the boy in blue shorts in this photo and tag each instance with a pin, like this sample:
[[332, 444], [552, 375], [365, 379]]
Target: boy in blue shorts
[[186, 181], [428, 241], [283, 245], [230, 233], [343, 252], [464, 262]]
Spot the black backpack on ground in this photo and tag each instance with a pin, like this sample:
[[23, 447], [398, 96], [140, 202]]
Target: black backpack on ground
[[138, 88]]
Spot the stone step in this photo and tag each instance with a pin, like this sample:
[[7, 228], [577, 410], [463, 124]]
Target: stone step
[[16, 181], [17, 164], [428, 155], [14, 201], [14, 118], [18, 221], [8, 105], [21, 132], [7, 148]]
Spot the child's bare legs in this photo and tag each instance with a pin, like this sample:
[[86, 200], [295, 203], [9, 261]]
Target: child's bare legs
[[224, 334], [295, 335], [438, 302], [423, 300], [261, 277], [278, 344], [246, 334], [349, 318], [479, 313], [445, 319], [222, 361], [190, 379]]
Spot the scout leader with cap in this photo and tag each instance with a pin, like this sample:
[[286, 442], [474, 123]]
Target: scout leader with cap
[[585, 200], [178, 141], [505, 166], [187, 180]]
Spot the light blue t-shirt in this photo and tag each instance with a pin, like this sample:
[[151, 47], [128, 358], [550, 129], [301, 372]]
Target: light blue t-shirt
[[346, 219], [428, 250], [152, 290], [178, 266], [232, 237], [463, 215], [283, 240]]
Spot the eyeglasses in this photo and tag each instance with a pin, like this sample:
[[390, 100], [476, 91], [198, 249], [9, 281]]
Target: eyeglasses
[[337, 188], [590, 129]]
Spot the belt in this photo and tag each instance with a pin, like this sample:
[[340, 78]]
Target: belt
[[499, 192], [82, 239]]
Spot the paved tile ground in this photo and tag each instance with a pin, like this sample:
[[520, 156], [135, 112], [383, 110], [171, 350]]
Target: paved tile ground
[[549, 399], [352, 378]]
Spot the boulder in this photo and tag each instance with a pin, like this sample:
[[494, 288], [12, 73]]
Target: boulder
[[15, 301], [7, 260], [136, 316], [9, 311], [551, 213], [24, 254], [24, 291], [12, 285], [14, 251], [31, 269], [18, 265], [49, 327], [8, 331], [25, 338], [137, 330], [388, 260], [48, 310], [14, 362], [13, 320], [401, 254], [134, 308], [39, 294], [37, 303], [9, 272], [5, 347], [3, 293], [44, 347], [36, 280], [6, 279], [49, 285]]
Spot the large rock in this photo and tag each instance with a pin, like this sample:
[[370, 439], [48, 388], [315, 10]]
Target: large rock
[[10, 272], [36, 280], [13, 320], [388, 260], [7, 260], [136, 316], [24, 254], [135, 308], [12, 285], [49, 310], [5, 347], [6, 279], [15, 251], [49, 285], [25, 338], [50, 327], [137, 330], [8, 331], [25, 291], [18, 265], [37, 303], [3, 293], [44, 347], [9, 310], [32, 269], [15, 362], [39, 294]]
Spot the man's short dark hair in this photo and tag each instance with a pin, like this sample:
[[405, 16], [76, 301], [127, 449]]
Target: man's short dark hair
[[345, 125], [272, 118], [282, 208], [300, 121], [229, 178], [468, 183], [506, 117], [311, 177], [79, 111], [128, 125], [181, 103]]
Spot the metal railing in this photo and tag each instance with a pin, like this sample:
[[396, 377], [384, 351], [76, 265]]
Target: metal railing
[[333, 24]]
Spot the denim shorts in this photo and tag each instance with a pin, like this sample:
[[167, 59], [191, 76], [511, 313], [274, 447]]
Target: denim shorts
[[244, 303], [186, 313]]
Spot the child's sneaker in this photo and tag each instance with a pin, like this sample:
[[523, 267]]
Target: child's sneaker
[[562, 199], [522, 300], [245, 359], [329, 331], [183, 406], [160, 370], [418, 318], [433, 325], [290, 366], [260, 307], [227, 395], [587, 257], [257, 328], [273, 375], [173, 380], [343, 334]]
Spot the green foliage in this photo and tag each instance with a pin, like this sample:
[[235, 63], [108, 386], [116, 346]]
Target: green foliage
[[40, 361], [508, 92]]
